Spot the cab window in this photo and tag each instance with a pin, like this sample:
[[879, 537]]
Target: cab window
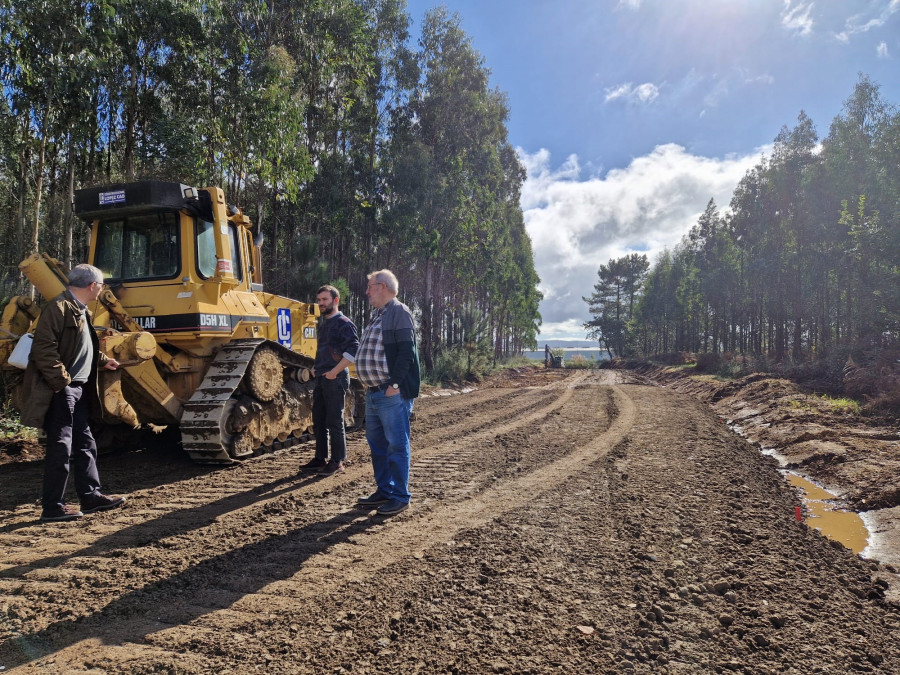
[[143, 246], [206, 249]]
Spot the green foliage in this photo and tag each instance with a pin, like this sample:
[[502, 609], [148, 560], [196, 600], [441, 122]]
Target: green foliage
[[842, 404], [515, 362], [806, 264], [458, 364], [12, 429], [343, 288], [612, 303], [580, 362], [10, 426]]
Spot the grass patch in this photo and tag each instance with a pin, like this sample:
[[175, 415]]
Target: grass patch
[[843, 405], [713, 377], [840, 405], [676, 369]]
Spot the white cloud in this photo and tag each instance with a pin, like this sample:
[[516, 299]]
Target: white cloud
[[882, 50], [642, 93], [765, 78], [630, 4], [577, 224], [861, 23], [719, 91], [797, 18]]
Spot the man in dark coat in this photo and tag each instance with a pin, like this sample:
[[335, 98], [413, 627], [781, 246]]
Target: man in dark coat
[[60, 380]]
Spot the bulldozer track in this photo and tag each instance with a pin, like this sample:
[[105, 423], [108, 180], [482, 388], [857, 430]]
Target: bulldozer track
[[202, 423], [204, 432]]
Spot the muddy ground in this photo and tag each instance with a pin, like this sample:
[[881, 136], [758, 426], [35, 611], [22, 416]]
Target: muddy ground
[[855, 457], [562, 522]]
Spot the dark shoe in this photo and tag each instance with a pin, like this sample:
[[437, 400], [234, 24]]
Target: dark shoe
[[60, 514], [315, 464], [374, 499], [331, 468], [100, 502], [392, 508]]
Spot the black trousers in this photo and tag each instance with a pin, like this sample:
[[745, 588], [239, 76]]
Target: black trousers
[[328, 416], [69, 443]]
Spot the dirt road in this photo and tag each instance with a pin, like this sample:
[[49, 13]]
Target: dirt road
[[563, 523]]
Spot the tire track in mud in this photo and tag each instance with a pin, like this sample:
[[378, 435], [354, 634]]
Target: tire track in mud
[[198, 500], [360, 557], [169, 531]]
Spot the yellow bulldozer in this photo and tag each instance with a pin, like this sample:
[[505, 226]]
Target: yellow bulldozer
[[200, 344]]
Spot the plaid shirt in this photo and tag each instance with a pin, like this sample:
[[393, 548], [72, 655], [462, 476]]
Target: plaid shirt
[[371, 363]]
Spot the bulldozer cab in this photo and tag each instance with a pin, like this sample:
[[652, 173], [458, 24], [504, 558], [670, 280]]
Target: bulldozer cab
[[159, 231], [139, 247]]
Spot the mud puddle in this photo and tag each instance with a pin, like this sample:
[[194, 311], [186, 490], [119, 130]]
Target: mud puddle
[[823, 509], [825, 514]]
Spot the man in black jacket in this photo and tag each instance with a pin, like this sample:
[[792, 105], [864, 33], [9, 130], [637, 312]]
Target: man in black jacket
[[337, 345]]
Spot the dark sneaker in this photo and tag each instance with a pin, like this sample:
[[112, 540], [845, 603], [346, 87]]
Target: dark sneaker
[[374, 499], [331, 468], [60, 514], [315, 464], [392, 508], [100, 502]]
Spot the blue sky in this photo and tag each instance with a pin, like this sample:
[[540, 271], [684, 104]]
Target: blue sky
[[629, 115]]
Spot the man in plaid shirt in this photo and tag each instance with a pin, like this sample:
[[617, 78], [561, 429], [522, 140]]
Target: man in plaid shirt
[[387, 363]]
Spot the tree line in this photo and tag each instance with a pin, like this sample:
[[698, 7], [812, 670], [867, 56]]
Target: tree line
[[351, 148], [806, 260]]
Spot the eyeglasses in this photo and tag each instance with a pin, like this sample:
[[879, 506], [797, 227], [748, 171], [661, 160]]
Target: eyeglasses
[[377, 283]]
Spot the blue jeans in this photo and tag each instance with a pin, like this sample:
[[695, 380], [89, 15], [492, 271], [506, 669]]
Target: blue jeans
[[387, 431]]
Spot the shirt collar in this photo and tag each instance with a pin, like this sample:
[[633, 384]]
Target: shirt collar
[[80, 305]]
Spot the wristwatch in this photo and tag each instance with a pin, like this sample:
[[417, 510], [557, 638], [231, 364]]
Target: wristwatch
[[395, 386]]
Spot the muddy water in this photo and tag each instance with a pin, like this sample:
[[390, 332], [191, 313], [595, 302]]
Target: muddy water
[[823, 515]]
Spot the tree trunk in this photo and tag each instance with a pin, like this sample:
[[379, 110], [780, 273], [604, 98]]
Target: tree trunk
[[427, 317], [24, 157], [130, 115], [68, 218], [38, 188]]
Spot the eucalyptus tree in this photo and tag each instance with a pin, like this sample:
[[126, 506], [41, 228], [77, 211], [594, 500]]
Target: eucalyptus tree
[[451, 168], [49, 50], [753, 211]]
